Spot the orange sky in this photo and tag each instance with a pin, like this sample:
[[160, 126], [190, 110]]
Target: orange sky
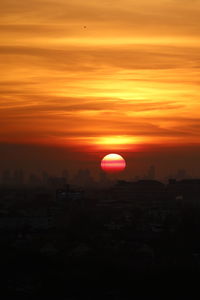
[[105, 75]]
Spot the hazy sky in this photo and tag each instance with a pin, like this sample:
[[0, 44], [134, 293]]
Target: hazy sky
[[109, 75]]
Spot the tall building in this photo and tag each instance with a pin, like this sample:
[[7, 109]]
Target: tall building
[[56, 182], [45, 178], [65, 175], [151, 174], [181, 174], [18, 177], [34, 180], [83, 178], [6, 177]]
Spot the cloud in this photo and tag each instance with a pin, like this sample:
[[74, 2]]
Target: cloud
[[102, 17], [82, 70]]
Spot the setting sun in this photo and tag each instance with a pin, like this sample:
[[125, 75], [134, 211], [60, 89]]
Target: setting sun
[[113, 163]]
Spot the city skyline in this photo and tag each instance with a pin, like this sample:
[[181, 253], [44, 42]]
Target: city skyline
[[83, 177]]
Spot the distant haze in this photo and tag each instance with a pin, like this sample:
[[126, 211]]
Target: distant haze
[[55, 159]]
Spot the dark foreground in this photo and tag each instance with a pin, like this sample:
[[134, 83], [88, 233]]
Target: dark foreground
[[99, 248]]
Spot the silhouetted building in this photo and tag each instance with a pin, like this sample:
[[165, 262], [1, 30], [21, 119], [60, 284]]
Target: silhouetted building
[[34, 180], [56, 182], [83, 178], [186, 189], [103, 179], [65, 175], [6, 177], [181, 174], [18, 177], [142, 189], [45, 178], [151, 173], [72, 197]]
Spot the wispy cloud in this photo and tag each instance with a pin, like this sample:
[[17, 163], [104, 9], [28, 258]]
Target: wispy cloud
[[80, 71]]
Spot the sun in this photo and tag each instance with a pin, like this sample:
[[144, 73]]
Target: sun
[[113, 163]]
